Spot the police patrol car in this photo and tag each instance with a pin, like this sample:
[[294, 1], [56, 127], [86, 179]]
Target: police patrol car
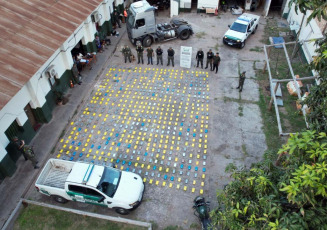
[[241, 29]]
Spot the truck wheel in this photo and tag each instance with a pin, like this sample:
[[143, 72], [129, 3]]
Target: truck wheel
[[255, 29], [242, 45], [60, 199], [185, 34], [147, 41], [122, 211]]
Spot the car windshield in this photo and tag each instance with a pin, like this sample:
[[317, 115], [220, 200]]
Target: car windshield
[[238, 27], [109, 181]]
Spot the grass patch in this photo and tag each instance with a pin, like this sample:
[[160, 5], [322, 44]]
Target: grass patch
[[244, 150], [257, 49], [216, 47], [35, 217], [200, 34], [240, 111]]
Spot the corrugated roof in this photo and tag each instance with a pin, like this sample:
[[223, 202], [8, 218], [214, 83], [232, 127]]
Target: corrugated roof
[[31, 31]]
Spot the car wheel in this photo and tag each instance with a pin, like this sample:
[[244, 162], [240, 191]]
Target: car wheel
[[255, 29], [147, 41], [185, 34], [242, 45], [60, 199], [122, 211]]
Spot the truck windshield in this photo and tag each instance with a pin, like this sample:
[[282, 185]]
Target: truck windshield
[[109, 181], [130, 20], [238, 27]]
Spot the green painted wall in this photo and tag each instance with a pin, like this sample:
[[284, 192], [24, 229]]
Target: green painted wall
[[43, 114], [90, 47], [27, 133], [7, 166], [285, 15], [185, 9]]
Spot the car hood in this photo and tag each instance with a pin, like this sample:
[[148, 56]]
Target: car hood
[[130, 188], [234, 35]]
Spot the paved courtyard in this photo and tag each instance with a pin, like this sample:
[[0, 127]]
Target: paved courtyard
[[179, 128]]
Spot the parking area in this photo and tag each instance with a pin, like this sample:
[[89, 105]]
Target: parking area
[[179, 128]]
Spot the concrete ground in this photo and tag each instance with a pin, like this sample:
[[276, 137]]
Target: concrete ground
[[235, 125]]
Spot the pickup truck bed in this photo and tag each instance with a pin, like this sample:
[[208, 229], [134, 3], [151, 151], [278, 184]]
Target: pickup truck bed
[[55, 174], [56, 178]]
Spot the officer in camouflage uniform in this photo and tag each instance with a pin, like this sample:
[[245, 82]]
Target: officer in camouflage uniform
[[31, 155], [127, 53], [150, 54], [159, 52], [241, 81], [139, 50], [210, 55]]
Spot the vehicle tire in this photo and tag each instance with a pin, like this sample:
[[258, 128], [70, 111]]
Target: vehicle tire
[[242, 45], [185, 34], [255, 29], [147, 41], [60, 199], [122, 211]]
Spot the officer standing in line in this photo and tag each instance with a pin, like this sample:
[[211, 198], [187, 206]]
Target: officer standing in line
[[139, 50], [216, 62], [159, 52], [241, 81], [171, 54], [199, 57], [150, 54], [209, 59], [127, 53]]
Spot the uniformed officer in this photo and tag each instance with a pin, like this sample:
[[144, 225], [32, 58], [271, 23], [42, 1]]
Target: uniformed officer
[[31, 155], [241, 81], [127, 53], [159, 52], [149, 54], [210, 55], [199, 57], [216, 62], [139, 50], [171, 54]]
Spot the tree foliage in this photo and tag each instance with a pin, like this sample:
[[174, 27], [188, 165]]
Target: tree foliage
[[291, 195], [318, 8], [317, 99]]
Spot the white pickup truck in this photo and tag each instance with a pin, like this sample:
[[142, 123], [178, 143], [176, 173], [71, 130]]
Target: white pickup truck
[[89, 183], [241, 29]]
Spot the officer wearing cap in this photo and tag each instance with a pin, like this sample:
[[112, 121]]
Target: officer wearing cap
[[241, 81], [216, 62]]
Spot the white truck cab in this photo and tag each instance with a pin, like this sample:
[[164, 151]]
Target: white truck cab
[[241, 29], [89, 183]]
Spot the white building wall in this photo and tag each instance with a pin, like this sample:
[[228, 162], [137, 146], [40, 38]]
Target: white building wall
[[309, 30], [35, 90], [208, 4]]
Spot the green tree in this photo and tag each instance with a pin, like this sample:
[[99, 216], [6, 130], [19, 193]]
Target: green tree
[[291, 195]]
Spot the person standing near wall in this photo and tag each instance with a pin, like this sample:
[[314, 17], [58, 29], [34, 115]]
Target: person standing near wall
[[19, 145], [117, 19]]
